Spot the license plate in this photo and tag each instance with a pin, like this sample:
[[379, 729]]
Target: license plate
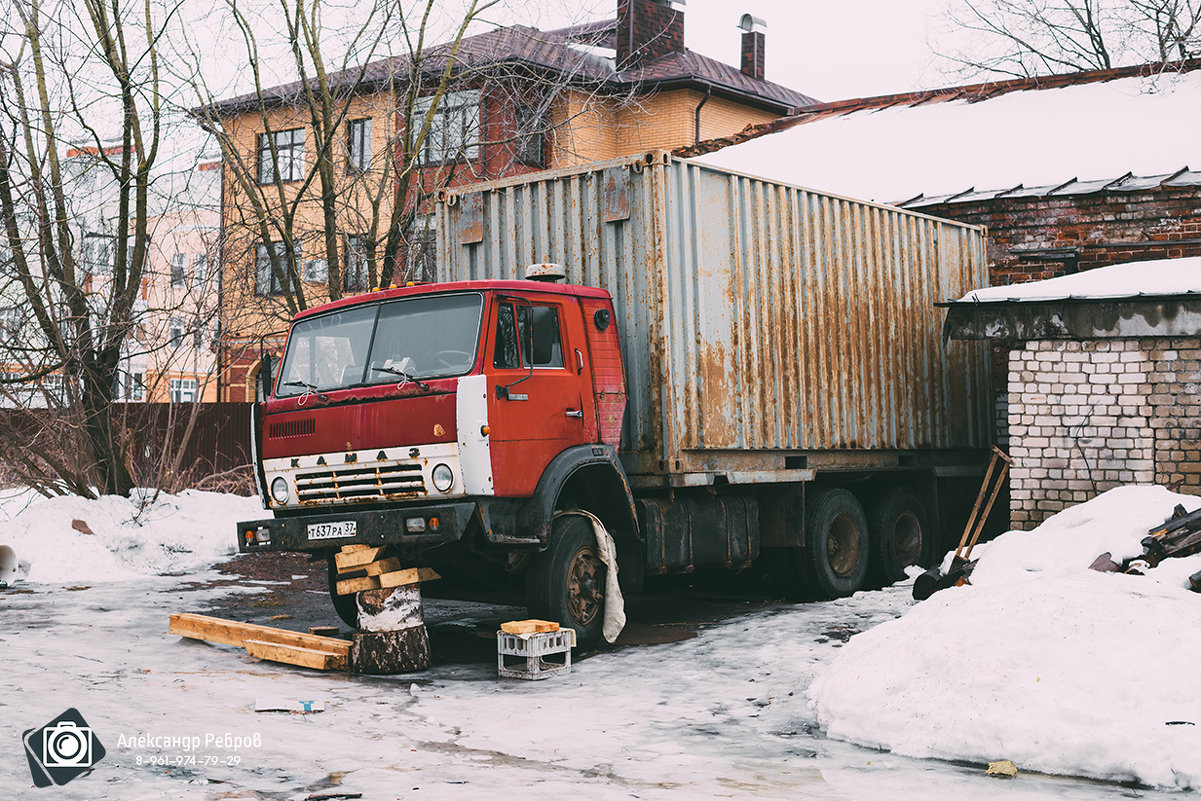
[[332, 531]]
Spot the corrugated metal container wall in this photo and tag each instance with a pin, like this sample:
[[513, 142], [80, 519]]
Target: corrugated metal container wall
[[756, 317]]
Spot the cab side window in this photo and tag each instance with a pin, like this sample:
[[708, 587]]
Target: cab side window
[[507, 357], [525, 334]]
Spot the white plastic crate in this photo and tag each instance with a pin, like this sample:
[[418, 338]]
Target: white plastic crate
[[527, 654]]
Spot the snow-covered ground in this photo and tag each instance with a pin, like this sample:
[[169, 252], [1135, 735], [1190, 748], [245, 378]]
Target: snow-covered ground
[[724, 715], [130, 538], [1041, 660]]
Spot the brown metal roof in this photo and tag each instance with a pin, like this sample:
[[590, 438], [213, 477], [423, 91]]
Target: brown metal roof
[[1120, 183], [523, 46]]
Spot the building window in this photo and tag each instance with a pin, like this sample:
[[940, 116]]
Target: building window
[[289, 146], [10, 321], [183, 390], [99, 253], [455, 130], [316, 271], [176, 332], [266, 281], [135, 386], [55, 388], [354, 277], [178, 270], [422, 249], [359, 145], [200, 269], [531, 136]]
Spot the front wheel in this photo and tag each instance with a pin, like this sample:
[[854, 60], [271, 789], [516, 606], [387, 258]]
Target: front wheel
[[566, 582]]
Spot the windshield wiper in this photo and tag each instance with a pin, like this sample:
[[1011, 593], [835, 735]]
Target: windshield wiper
[[407, 378], [309, 389]]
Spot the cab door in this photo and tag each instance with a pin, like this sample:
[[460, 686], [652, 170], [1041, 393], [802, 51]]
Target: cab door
[[535, 402]]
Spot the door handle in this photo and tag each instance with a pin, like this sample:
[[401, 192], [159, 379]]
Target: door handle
[[574, 413]]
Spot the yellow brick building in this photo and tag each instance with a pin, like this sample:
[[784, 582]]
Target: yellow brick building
[[528, 100]]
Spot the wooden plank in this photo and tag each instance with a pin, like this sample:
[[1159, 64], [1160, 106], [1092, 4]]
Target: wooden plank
[[356, 559], [384, 566], [528, 626], [230, 632], [403, 578], [348, 586], [324, 631], [398, 578], [295, 655], [353, 548]]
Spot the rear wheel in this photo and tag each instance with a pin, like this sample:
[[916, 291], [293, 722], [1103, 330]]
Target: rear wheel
[[900, 534], [835, 557], [566, 582], [344, 605]]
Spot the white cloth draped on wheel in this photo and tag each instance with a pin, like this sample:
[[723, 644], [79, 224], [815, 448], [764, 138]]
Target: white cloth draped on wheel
[[615, 605]]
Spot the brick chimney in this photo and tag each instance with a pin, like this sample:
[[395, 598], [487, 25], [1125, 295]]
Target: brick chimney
[[753, 40], [647, 30]]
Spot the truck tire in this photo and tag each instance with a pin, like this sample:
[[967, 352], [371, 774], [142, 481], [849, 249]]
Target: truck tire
[[566, 582], [344, 605], [900, 534], [835, 558]]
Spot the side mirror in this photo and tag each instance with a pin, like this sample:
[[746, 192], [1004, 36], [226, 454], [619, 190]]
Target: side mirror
[[265, 378]]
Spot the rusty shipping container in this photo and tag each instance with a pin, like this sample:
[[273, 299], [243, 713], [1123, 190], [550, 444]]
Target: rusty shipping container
[[768, 330]]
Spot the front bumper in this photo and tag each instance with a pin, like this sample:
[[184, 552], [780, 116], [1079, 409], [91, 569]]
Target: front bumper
[[386, 527]]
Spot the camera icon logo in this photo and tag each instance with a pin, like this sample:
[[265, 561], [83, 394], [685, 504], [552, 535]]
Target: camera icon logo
[[62, 749]]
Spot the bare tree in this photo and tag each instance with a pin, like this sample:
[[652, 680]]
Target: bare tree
[[357, 196], [82, 102], [1021, 38]]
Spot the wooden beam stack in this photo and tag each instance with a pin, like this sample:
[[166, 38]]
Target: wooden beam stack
[[264, 642]]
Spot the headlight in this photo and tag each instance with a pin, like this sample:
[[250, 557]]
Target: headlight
[[443, 478], [279, 490]]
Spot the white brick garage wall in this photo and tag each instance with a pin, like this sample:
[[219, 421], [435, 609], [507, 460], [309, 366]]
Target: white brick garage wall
[[1086, 416]]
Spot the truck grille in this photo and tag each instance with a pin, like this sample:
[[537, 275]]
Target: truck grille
[[360, 483]]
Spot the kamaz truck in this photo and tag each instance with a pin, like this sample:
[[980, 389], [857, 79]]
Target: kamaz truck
[[721, 368]]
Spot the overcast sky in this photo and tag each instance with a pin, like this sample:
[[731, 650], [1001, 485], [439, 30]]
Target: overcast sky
[[830, 49]]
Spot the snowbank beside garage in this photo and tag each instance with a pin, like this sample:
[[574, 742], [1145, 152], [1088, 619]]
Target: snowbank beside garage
[[174, 533], [1041, 661]]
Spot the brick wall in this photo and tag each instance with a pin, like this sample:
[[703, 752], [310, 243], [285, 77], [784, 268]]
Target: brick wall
[[647, 30], [1103, 228], [1085, 417]]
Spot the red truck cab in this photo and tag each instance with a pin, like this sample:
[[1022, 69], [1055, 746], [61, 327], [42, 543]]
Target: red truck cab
[[431, 414]]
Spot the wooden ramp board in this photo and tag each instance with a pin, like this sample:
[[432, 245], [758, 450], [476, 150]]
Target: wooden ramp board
[[399, 578], [295, 655], [231, 632]]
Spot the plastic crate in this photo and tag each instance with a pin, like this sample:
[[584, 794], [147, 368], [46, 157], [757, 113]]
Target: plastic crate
[[524, 656]]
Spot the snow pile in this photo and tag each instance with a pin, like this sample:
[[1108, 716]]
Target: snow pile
[[176, 533], [1041, 661], [1040, 137], [1157, 277]]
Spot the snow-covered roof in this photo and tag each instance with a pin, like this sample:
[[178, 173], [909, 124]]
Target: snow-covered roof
[[989, 138], [1157, 278]]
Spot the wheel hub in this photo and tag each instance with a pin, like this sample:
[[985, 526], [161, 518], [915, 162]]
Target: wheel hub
[[842, 546], [584, 594]]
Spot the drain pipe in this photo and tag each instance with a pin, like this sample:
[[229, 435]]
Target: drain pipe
[[699, 106]]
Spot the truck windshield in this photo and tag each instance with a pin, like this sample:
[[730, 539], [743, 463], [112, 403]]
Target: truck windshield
[[398, 341]]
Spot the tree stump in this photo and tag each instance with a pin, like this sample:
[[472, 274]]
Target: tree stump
[[392, 636]]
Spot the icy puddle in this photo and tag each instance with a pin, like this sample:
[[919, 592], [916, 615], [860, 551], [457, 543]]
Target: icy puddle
[[722, 715]]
